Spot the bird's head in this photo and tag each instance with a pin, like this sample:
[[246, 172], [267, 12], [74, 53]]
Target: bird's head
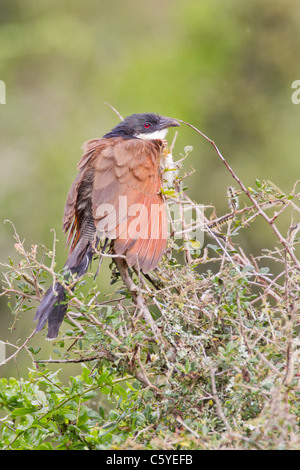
[[143, 126]]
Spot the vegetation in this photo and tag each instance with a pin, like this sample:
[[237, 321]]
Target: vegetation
[[206, 355], [201, 355]]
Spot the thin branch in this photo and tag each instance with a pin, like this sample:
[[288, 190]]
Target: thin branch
[[217, 400], [18, 349], [282, 240], [114, 110], [136, 296]]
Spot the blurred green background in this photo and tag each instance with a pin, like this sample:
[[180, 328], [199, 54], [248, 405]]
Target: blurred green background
[[226, 67]]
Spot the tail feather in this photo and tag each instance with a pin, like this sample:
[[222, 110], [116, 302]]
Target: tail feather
[[53, 309], [54, 305]]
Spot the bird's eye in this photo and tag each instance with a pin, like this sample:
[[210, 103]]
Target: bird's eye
[[146, 125]]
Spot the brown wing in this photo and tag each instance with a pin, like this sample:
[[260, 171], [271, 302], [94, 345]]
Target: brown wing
[[71, 217], [125, 194], [127, 204]]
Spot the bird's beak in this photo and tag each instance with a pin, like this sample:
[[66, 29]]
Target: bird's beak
[[168, 122]]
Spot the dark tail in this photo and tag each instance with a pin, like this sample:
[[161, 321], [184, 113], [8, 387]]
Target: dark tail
[[54, 306]]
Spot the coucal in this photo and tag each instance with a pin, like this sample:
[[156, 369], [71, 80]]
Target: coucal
[[116, 196]]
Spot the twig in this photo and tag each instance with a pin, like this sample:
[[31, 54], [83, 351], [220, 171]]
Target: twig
[[182, 423], [75, 360], [136, 296], [282, 240], [18, 349], [217, 400], [114, 110]]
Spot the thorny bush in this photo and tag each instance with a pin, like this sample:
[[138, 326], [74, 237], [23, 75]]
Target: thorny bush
[[204, 354]]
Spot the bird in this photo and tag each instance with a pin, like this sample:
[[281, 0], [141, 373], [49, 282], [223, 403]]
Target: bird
[[116, 197]]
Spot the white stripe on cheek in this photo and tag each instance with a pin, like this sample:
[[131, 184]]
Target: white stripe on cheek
[[161, 134]]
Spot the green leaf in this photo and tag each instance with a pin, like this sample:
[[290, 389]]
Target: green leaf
[[106, 390], [85, 375], [120, 391], [195, 244], [258, 183], [23, 411], [101, 412]]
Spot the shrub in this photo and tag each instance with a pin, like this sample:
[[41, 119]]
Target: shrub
[[202, 354]]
